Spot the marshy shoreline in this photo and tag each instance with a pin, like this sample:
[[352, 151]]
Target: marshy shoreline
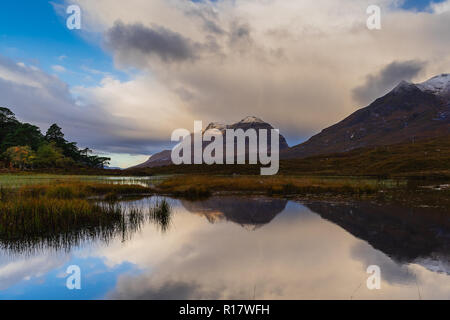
[[61, 212], [417, 193]]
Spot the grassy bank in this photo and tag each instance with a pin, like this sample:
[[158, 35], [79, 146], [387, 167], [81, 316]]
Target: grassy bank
[[413, 193], [23, 179], [62, 216], [79, 190], [274, 185]]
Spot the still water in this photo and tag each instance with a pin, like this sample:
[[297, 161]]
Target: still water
[[242, 248]]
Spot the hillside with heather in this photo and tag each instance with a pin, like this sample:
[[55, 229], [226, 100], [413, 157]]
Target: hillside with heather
[[408, 113]]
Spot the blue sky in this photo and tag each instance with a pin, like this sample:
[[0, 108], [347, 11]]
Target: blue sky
[[33, 32], [418, 4]]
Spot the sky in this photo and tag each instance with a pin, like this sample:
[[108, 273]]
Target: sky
[[135, 72]]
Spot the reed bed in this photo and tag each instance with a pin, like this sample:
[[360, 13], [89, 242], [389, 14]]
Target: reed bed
[[277, 185], [36, 223], [61, 216], [78, 190], [160, 214]]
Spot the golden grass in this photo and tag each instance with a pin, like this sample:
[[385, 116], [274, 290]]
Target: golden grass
[[78, 190], [409, 193], [285, 185], [60, 215]]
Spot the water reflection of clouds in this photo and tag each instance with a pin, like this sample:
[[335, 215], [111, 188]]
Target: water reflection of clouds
[[297, 255], [28, 268]]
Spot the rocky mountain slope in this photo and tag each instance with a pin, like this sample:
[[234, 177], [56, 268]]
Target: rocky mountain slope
[[408, 113]]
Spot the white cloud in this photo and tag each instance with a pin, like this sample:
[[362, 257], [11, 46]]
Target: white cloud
[[43, 99], [441, 7], [58, 68], [21, 268]]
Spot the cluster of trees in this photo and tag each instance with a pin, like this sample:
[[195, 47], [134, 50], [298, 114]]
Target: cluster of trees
[[23, 146]]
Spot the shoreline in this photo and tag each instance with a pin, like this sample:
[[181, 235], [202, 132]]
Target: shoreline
[[199, 187]]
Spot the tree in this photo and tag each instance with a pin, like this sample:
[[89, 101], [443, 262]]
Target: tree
[[7, 116], [48, 156], [24, 134], [54, 134], [20, 157], [98, 162], [8, 123], [70, 150], [52, 150]]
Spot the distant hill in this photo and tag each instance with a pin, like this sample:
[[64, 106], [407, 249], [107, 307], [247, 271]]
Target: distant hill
[[163, 158], [407, 130], [408, 113], [426, 158]]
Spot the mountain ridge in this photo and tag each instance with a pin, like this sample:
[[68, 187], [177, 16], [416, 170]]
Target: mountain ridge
[[406, 113]]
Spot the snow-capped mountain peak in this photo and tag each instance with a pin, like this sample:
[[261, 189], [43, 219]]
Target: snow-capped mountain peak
[[251, 120], [439, 85], [216, 125]]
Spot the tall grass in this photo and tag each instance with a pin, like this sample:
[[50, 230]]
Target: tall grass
[[74, 190], [55, 223], [60, 216], [160, 214]]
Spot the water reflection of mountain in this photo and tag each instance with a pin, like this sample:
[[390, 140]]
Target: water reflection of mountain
[[249, 212], [407, 235]]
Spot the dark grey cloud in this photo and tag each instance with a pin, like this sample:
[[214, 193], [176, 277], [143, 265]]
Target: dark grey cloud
[[169, 46], [212, 27], [379, 84], [240, 33]]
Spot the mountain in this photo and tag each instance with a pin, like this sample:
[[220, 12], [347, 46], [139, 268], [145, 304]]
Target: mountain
[[408, 113], [159, 159], [163, 158]]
